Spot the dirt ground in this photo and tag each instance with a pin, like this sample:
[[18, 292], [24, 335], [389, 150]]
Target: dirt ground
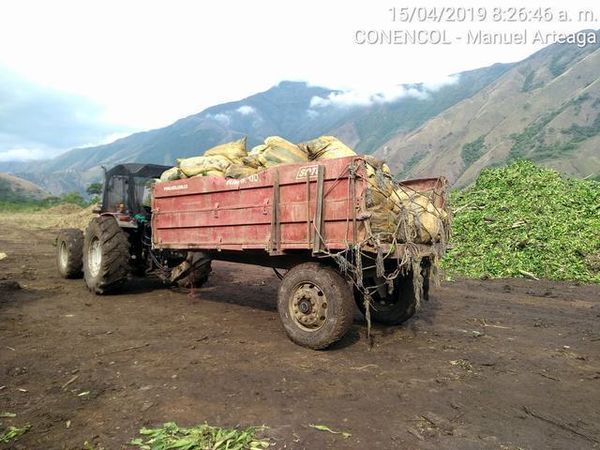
[[497, 364]]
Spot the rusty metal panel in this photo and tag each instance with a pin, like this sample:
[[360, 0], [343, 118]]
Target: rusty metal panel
[[226, 214]]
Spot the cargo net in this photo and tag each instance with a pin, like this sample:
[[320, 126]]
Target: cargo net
[[400, 222]]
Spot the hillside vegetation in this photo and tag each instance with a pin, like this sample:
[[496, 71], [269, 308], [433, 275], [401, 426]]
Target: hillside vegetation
[[16, 189], [545, 108], [525, 220]]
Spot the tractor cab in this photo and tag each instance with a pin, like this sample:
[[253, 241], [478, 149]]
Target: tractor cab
[[127, 191]]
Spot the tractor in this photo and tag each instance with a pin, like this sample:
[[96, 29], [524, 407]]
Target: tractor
[[117, 242]]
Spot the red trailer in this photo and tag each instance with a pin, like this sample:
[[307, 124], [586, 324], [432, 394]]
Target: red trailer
[[312, 220]]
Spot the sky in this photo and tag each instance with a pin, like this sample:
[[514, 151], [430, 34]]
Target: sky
[[96, 70]]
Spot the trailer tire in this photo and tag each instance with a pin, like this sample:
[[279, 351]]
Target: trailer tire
[[69, 253], [105, 256], [397, 307], [315, 305]]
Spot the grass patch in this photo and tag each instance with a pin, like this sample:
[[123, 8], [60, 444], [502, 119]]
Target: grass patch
[[410, 163], [201, 437], [472, 151], [531, 138], [523, 219]]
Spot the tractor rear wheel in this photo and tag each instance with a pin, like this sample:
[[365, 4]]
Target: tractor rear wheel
[[315, 305], [69, 252], [105, 255]]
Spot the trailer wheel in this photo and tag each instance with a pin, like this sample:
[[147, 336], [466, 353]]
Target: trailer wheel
[[69, 252], [105, 255], [315, 305], [394, 308]]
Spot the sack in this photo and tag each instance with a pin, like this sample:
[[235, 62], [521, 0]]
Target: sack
[[258, 150], [239, 171], [381, 185], [171, 174], [326, 147], [201, 165], [420, 213], [252, 161], [253, 158], [383, 220], [234, 151], [279, 151]]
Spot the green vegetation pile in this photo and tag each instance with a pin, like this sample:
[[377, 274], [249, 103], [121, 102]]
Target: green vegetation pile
[[201, 437], [526, 221]]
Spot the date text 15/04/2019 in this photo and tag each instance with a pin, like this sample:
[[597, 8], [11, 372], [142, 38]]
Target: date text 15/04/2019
[[471, 37]]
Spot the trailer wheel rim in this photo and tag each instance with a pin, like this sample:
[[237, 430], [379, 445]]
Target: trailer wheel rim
[[308, 306], [63, 255], [94, 257]]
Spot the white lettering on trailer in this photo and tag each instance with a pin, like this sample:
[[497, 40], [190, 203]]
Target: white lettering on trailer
[[248, 179], [311, 171], [176, 187]]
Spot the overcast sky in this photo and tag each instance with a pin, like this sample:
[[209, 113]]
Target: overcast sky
[[123, 66]]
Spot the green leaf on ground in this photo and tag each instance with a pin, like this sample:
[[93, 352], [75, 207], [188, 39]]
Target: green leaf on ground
[[329, 430], [13, 433]]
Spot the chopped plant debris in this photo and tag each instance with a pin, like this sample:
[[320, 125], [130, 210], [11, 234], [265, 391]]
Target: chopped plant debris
[[13, 433], [170, 436], [329, 430], [526, 221]]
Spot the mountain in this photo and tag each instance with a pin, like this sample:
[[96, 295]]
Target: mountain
[[294, 110], [545, 108], [17, 189]]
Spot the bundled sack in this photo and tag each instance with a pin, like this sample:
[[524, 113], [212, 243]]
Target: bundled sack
[[204, 165], [381, 183], [276, 151], [234, 151], [171, 174], [326, 147], [422, 221], [240, 171]]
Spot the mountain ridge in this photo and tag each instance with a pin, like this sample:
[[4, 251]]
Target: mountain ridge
[[286, 110], [537, 108], [545, 108]]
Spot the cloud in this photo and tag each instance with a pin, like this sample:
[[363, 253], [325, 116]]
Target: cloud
[[311, 113], [222, 118], [437, 84], [367, 97], [22, 154], [39, 122], [245, 110]]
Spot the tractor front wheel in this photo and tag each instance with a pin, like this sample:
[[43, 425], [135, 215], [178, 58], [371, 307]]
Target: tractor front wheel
[[69, 252], [105, 255]]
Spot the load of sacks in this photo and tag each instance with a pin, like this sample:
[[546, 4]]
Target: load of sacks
[[400, 212], [395, 211], [231, 160]]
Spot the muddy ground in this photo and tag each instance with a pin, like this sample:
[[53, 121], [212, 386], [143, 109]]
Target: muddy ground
[[486, 364]]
